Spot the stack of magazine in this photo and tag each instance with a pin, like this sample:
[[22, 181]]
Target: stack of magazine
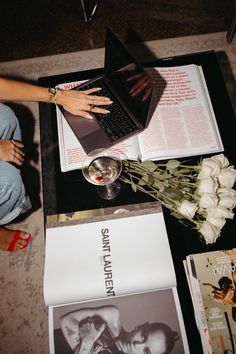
[[212, 282]]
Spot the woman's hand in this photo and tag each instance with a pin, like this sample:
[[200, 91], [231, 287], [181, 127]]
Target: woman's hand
[[82, 102], [142, 83], [11, 151], [225, 297], [88, 335]]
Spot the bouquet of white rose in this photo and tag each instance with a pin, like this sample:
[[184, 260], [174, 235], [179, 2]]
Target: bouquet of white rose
[[202, 194]]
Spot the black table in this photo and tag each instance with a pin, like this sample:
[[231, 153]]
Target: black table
[[65, 193]]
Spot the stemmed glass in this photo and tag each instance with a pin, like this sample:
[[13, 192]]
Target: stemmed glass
[[102, 168]]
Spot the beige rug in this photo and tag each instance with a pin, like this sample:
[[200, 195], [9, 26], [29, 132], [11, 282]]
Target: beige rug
[[23, 315]]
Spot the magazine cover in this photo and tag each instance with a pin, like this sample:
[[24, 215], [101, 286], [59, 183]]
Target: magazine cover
[[216, 274], [138, 323]]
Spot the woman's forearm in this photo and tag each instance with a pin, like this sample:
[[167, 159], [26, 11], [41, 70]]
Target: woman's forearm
[[11, 90], [77, 102]]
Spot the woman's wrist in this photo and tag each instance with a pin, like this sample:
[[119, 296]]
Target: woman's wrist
[[55, 95], [52, 93]]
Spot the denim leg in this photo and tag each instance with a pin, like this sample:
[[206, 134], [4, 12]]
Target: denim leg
[[9, 125], [13, 198]]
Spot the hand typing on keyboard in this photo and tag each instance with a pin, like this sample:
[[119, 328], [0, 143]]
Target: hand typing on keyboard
[[82, 102]]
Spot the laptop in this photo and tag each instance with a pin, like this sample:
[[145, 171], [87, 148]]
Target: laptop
[[130, 88]]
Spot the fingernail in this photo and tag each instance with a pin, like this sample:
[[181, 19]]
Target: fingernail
[[98, 88], [106, 111], [88, 116]]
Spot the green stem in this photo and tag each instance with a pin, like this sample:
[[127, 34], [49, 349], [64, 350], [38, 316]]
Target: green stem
[[156, 191], [170, 180], [158, 165], [158, 197], [133, 176]]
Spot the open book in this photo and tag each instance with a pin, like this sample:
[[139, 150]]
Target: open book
[[111, 276], [212, 282], [183, 123]]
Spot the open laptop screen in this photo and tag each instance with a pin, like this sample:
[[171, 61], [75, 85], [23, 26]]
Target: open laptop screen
[[128, 77]]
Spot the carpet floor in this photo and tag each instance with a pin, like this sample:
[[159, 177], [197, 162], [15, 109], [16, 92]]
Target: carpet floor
[[37, 28]]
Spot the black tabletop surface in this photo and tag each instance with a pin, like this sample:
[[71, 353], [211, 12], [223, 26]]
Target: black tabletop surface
[[69, 192]]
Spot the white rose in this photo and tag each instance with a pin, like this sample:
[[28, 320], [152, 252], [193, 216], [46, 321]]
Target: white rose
[[207, 185], [209, 232], [227, 201], [187, 209], [224, 162], [226, 191], [205, 172], [208, 200], [209, 167], [220, 212], [218, 222], [227, 177]]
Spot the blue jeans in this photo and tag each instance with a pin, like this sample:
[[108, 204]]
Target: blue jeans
[[13, 198]]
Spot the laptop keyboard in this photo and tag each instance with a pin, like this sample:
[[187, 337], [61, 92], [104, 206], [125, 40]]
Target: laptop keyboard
[[117, 123]]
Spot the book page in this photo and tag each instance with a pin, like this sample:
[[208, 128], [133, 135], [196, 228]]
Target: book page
[[215, 273], [132, 313], [183, 123], [107, 258], [71, 152], [198, 305]]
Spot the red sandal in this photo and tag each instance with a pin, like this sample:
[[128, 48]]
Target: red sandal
[[15, 238]]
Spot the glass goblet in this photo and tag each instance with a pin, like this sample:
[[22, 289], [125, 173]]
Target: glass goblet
[[102, 168]]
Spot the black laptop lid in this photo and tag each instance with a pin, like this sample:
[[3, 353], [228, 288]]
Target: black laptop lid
[[131, 82]]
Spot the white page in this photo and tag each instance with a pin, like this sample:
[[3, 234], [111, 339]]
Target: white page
[[198, 305], [71, 152], [181, 320], [183, 123], [79, 266]]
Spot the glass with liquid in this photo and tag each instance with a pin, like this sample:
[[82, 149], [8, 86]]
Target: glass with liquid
[[102, 168]]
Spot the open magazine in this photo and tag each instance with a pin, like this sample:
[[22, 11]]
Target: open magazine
[[183, 123], [104, 279], [212, 281]]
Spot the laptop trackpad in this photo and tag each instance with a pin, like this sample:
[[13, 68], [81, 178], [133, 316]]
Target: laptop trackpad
[[88, 132], [82, 126]]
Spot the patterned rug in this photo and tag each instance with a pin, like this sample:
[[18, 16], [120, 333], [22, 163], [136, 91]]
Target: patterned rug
[[23, 314]]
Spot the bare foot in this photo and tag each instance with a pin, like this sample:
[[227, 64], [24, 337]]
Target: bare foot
[[12, 240]]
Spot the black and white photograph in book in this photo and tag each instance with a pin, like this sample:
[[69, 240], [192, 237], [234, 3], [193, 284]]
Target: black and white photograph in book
[[143, 323]]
